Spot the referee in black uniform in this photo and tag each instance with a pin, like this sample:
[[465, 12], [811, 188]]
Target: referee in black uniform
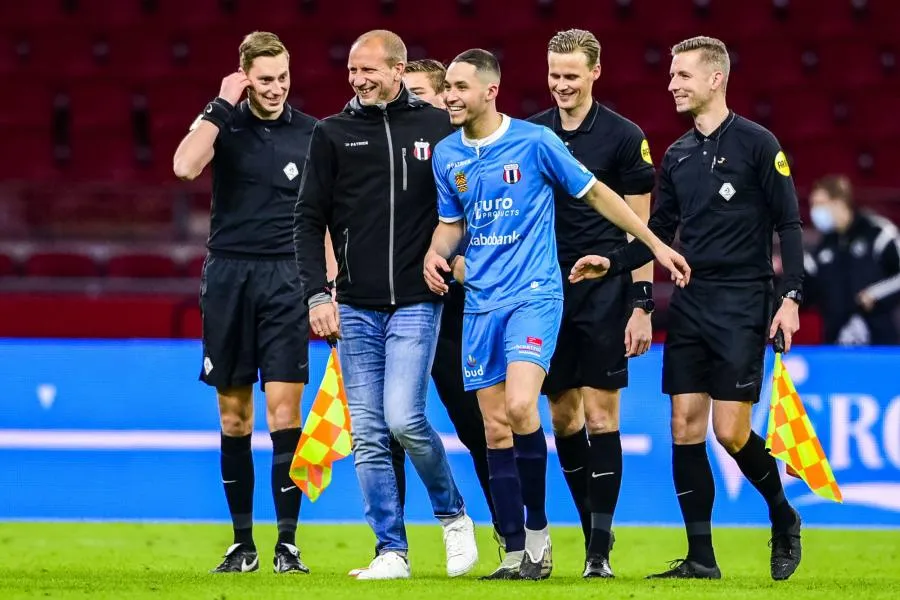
[[728, 184], [604, 321], [255, 320]]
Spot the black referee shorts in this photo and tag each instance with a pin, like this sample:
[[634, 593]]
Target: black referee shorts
[[590, 349], [716, 340], [255, 322]]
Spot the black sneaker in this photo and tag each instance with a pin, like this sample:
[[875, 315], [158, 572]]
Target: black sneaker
[[508, 569], [688, 569], [786, 550], [597, 566], [239, 558], [287, 559]]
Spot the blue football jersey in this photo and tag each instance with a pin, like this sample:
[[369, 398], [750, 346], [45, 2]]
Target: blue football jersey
[[502, 186]]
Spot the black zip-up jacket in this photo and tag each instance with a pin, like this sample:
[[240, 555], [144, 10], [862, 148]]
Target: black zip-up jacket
[[865, 258], [728, 191], [368, 179]]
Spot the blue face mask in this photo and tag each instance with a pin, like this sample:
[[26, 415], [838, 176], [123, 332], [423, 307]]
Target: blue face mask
[[822, 218]]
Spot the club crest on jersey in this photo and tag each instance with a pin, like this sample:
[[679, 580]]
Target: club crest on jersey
[[422, 150], [511, 173], [461, 184]]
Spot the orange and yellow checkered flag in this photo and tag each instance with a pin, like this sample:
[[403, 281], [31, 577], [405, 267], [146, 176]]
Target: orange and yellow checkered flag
[[791, 437], [326, 436]]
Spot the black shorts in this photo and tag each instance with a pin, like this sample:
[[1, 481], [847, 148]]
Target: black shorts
[[716, 340], [590, 349], [255, 322]]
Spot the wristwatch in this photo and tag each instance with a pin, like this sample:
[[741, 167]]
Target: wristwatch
[[647, 305], [795, 295]]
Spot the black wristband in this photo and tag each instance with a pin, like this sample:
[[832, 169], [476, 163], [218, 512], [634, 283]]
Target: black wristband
[[640, 291], [218, 112]]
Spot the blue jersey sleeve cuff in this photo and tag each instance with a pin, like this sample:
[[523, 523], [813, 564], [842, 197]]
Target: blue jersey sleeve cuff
[[453, 219], [586, 188]]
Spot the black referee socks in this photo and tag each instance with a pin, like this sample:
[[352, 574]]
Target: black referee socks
[[760, 469], [604, 484], [237, 478], [285, 492], [573, 453], [696, 490]]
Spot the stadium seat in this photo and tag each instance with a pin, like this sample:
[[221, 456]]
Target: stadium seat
[[143, 266], [194, 267], [60, 264], [7, 266]]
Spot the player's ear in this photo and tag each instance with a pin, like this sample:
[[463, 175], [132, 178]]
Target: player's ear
[[493, 89], [595, 72]]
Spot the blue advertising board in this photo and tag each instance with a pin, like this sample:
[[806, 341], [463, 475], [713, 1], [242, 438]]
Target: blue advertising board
[[123, 430]]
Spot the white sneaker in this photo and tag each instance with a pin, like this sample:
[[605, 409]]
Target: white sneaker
[[459, 541], [389, 565]]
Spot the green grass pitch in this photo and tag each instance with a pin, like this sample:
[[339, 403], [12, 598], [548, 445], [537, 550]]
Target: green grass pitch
[[125, 561]]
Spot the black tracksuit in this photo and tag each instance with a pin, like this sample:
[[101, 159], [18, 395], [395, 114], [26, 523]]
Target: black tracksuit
[[866, 257]]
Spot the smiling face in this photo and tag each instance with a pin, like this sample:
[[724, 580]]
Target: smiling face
[[371, 76], [270, 82], [694, 81], [571, 79], [467, 93]]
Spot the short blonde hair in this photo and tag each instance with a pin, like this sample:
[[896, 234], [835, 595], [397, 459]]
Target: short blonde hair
[[712, 51], [576, 40], [260, 43], [394, 48], [433, 70]]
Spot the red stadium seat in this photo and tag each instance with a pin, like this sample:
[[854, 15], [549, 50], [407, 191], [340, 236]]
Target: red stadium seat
[[195, 266], [60, 264], [143, 266], [7, 266]]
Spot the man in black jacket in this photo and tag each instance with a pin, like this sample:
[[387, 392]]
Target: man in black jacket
[[854, 273], [368, 179]]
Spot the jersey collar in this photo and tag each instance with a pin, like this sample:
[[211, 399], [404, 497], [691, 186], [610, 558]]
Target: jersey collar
[[481, 143], [586, 124], [285, 116]]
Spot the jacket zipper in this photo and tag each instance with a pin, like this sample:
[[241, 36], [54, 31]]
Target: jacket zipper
[[387, 129], [403, 152], [346, 255]]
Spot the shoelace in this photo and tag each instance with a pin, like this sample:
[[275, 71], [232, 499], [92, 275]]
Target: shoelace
[[454, 541], [781, 545], [675, 564]]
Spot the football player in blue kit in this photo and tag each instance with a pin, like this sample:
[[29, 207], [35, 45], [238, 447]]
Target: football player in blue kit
[[496, 177]]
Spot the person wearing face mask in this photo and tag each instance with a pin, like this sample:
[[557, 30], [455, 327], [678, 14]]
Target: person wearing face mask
[[368, 180], [854, 273], [255, 324]]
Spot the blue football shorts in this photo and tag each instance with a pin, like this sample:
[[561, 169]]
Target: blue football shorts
[[525, 331]]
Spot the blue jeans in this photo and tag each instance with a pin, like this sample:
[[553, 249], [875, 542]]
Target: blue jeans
[[386, 360]]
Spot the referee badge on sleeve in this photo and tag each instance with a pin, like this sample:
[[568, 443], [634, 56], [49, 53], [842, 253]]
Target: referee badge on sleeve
[[645, 152], [781, 164]]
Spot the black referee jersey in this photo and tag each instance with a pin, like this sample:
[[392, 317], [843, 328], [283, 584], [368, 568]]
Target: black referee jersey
[[615, 150], [728, 191]]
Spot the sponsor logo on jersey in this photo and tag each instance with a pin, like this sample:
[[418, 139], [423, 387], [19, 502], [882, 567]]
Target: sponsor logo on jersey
[[495, 240], [781, 164]]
